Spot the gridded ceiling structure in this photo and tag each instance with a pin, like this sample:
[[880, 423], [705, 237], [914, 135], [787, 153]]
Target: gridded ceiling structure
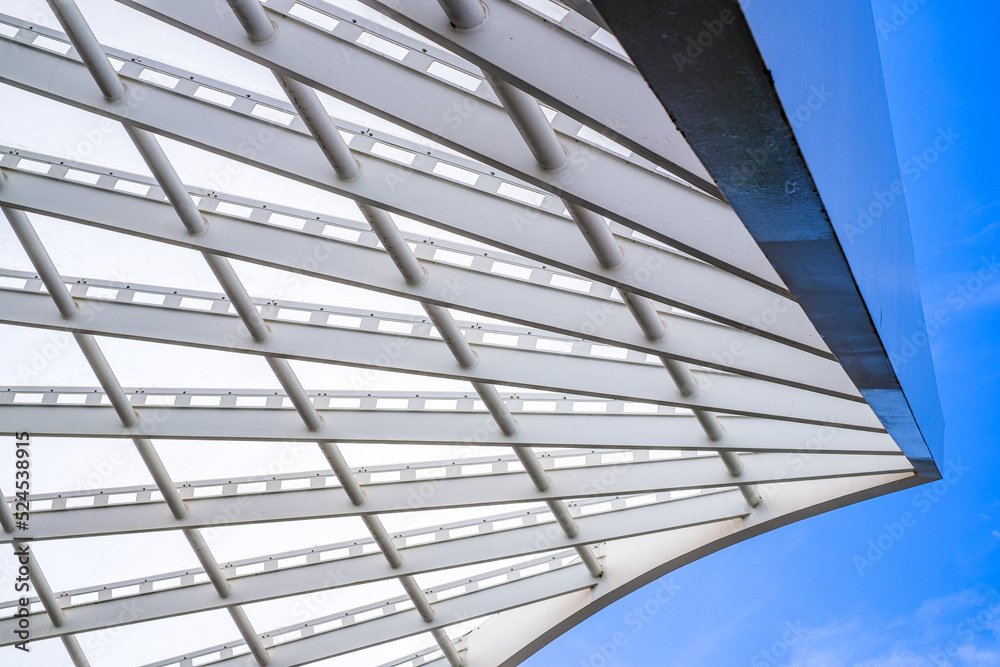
[[486, 329]]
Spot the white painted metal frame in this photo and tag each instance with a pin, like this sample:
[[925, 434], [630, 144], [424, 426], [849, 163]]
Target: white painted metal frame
[[649, 463]]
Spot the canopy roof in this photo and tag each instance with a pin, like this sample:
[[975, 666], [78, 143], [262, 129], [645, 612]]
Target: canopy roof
[[381, 335]]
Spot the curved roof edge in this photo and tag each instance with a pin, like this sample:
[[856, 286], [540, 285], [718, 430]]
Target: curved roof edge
[[785, 105]]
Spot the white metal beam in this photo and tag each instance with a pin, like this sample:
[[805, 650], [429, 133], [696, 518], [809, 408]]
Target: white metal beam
[[582, 78], [698, 224], [418, 102], [48, 193], [69, 311], [462, 425], [311, 642], [474, 289], [508, 639], [325, 498], [451, 545], [421, 354], [414, 189]]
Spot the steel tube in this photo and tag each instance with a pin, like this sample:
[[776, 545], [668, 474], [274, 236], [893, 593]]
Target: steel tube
[[152, 153], [715, 431], [533, 467], [40, 259], [127, 415], [237, 294], [563, 517], [531, 123], [383, 540], [343, 471], [497, 408], [42, 588], [467, 358], [246, 630], [324, 131], [448, 647], [452, 334], [750, 494], [106, 376], [161, 477], [254, 20], [597, 234], [75, 651], [388, 233], [590, 560], [419, 599], [572, 530], [680, 373], [90, 50], [464, 14], [710, 424], [6, 516], [43, 263], [296, 392], [735, 467], [733, 463], [208, 562], [314, 115], [645, 314]]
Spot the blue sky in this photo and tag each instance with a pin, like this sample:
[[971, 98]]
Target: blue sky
[[816, 593]]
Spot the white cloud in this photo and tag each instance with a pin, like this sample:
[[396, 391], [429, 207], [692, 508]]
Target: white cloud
[[959, 630]]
